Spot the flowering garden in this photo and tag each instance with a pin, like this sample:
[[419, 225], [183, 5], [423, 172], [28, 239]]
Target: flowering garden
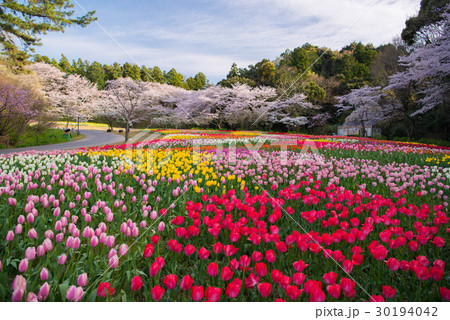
[[227, 216]]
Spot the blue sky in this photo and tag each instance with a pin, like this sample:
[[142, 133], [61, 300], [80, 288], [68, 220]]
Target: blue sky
[[208, 36]]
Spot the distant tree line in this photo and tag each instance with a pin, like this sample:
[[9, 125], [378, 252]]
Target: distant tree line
[[101, 73]]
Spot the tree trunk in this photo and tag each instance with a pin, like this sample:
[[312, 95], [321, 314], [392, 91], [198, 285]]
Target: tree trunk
[[127, 131], [363, 127]]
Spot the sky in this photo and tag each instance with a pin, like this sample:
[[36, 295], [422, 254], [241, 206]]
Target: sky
[[208, 36]]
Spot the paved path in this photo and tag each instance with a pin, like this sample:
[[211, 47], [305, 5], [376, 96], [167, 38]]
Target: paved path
[[93, 138]]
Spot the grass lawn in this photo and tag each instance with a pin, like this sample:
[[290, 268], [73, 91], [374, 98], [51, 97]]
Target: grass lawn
[[49, 136]]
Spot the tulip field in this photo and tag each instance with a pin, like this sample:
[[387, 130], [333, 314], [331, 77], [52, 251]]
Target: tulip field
[[198, 215]]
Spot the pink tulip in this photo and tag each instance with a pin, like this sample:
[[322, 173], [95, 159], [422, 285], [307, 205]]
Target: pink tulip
[[32, 233], [30, 253], [123, 249], [19, 283], [21, 219], [17, 295], [114, 261], [110, 241], [48, 246], [44, 274], [31, 297], [70, 293], [44, 291], [18, 229], [161, 226], [40, 251], [10, 236], [94, 241], [23, 265], [49, 234], [82, 280], [62, 259]]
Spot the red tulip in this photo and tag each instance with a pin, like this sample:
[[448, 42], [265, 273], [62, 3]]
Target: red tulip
[[251, 280], [299, 265], [293, 292], [186, 283], [178, 221], [203, 253], [357, 259], [317, 295], [148, 251], [330, 277], [299, 278], [233, 288], [422, 273], [334, 290], [310, 284], [244, 261], [160, 261], [170, 281], [212, 269], [347, 265], [197, 293], [393, 264], [212, 294], [388, 292], [375, 298], [154, 239], [157, 293], [285, 281], [439, 264], [234, 264], [281, 246], [264, 288], [255, 239], [136, 283], [257, 256], [154, 268], [217, 248], [104, 289], [226, 274], [270, 256], [261, 269], [229, 250], [276, 275], [347, 285], [413, 245], [379, 252], [189, 250], [404, 265], [445, 293], [436, 273]]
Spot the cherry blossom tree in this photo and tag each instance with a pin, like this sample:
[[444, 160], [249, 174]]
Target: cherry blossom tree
[[427, 69], [365, 106], [132, 101], [291, 112], [18, 106], [72, 97]]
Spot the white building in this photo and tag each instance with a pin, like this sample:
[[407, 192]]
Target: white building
[[356, 130]]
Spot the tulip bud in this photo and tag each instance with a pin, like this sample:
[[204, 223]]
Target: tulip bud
[[30, 253], [31, 297], [94, 241], [23, 265], [62, 259], [123, 249], [161, 226], [82, 280], [44, 291], [10, 236], [44, 274]]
